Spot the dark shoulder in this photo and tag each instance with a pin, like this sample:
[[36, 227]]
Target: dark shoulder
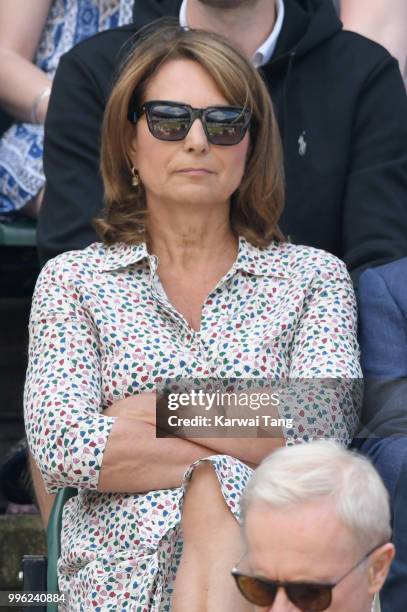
[[105, 42], [393, 275], [96, 61], [102, 52], [351, 64], [356, 53]]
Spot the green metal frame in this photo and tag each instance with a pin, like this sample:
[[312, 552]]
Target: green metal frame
[[18, 233], [54, 540]]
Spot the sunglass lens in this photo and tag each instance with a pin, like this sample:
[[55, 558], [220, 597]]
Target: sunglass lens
[[309, 597], [256, 591], [169, 122], [226, 126]]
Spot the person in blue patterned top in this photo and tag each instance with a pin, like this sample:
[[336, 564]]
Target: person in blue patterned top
[[33, 37]]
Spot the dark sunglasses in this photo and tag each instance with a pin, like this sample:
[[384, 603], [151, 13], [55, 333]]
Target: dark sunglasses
[[307, 596], [223, 125]]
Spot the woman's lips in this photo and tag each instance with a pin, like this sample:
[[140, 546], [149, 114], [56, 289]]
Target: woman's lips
[[196, 171]]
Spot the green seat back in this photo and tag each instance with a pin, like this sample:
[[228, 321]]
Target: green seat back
[[54, 539], [18, 233]]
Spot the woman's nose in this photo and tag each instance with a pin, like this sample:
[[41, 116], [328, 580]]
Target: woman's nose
[[282, 603], [196, 139]]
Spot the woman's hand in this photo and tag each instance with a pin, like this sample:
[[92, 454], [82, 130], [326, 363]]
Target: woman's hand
[[140, 407]]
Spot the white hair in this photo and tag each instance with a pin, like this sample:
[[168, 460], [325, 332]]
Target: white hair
[[323, 469]]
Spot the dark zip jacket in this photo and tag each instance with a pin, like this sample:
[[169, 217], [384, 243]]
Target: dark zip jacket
[[342, 111]]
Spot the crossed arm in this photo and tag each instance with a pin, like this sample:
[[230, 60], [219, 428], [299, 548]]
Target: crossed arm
[[135, 460], [73, 441]]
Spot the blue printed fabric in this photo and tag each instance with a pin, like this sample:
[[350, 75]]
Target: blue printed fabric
[[21, 147]]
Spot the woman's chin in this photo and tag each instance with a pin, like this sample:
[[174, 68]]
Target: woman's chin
[[199, 198]]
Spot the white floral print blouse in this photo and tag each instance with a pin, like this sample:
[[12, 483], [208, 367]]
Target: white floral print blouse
[[101, 329]]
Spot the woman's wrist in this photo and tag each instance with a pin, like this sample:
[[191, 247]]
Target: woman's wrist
[[40, 105]]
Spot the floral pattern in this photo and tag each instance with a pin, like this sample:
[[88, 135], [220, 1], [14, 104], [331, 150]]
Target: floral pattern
[[102, 328], [69, 22]]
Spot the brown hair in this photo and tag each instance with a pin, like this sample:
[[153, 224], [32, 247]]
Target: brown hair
[[257, 204]]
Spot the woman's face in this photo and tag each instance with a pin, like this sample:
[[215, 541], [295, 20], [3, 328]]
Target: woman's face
[[190, 171]]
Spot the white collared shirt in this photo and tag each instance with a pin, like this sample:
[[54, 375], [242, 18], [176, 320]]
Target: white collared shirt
[[100, 331], [266, 49]]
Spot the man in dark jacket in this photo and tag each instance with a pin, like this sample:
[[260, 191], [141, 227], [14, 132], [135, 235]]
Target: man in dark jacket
[[341, 107]]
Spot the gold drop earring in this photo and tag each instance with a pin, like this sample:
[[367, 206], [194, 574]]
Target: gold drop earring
[[135, 181]]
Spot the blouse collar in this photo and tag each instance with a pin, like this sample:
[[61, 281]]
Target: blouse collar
[[271, 261]]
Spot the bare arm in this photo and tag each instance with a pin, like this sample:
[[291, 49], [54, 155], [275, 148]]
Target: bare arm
[[44, 500], [135, 460], [21, 82], [384, 21]]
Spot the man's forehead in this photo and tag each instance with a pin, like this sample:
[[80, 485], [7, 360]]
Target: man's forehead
[[294, 513], [296, 542], [228, 4]]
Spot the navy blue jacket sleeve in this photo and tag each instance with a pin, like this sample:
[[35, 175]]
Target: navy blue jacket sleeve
[[383, 340]]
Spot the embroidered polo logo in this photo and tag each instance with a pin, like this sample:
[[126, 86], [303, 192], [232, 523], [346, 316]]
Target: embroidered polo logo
[[302, 148]]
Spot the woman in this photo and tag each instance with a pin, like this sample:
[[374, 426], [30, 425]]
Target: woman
[[33, 36], [193, 280]]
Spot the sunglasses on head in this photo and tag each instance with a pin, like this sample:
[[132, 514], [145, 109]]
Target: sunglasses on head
[[307, 596], [223, 125]]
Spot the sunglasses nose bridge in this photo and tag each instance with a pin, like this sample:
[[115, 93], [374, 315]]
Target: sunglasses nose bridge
[[196, 113], [281, 602]]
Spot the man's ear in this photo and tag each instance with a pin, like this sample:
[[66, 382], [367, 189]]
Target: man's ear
[[380, 562]]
